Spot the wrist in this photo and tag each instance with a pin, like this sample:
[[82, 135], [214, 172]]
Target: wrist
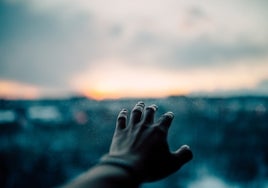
[[124, 163]]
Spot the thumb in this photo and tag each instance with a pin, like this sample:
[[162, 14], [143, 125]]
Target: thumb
[[182, 155]]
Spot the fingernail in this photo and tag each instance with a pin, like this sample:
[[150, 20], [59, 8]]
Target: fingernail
[[155, 107], [140, 103], [170, 114], [185, 147]]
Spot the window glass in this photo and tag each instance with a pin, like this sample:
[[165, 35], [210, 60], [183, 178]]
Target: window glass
[[68, 67]]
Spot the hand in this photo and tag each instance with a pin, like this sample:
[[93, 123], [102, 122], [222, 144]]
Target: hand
[[142, 144]]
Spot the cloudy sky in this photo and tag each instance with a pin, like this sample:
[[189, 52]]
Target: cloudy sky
[[142, 48]]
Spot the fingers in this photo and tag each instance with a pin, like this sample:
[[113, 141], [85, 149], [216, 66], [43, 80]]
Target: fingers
[[148, 118], [149, 114], [136, 113], [182, 156], [121, 119], [165, 121]]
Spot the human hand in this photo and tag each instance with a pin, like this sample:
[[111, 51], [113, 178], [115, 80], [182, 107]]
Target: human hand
[[141, 144]]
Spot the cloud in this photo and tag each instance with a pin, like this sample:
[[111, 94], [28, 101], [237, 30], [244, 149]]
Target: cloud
[[41, 50], [206, 52], [260, 89], [47, 43]]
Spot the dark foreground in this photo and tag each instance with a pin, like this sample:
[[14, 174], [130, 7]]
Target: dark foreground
[[46, 143]]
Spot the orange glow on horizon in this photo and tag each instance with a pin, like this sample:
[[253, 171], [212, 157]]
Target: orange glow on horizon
[[16, 90], [113, 79], [101, 95]]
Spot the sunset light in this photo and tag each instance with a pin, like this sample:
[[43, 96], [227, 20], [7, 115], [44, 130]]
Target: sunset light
[[116, 79], [127, 49], [72, 73], [13, 90], [112, 78]]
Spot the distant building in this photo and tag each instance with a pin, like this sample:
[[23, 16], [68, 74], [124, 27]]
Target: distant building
[[7, 116], [45, 115]]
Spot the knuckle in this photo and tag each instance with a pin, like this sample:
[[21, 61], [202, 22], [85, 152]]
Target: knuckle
[[150, 109], [157, 130], [143, 127], [121, 117], [166, 118], [137, 110], [160, 129]]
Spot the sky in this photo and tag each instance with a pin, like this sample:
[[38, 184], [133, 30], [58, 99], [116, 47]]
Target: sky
[[143, 48]]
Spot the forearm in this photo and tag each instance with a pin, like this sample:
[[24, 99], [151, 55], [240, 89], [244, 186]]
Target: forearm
[[139, 152], [104, 176]]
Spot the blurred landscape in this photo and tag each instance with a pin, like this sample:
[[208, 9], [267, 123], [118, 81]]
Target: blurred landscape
[[127, 50], [45, 143]]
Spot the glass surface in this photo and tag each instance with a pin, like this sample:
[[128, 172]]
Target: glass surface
[[68, 67]]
